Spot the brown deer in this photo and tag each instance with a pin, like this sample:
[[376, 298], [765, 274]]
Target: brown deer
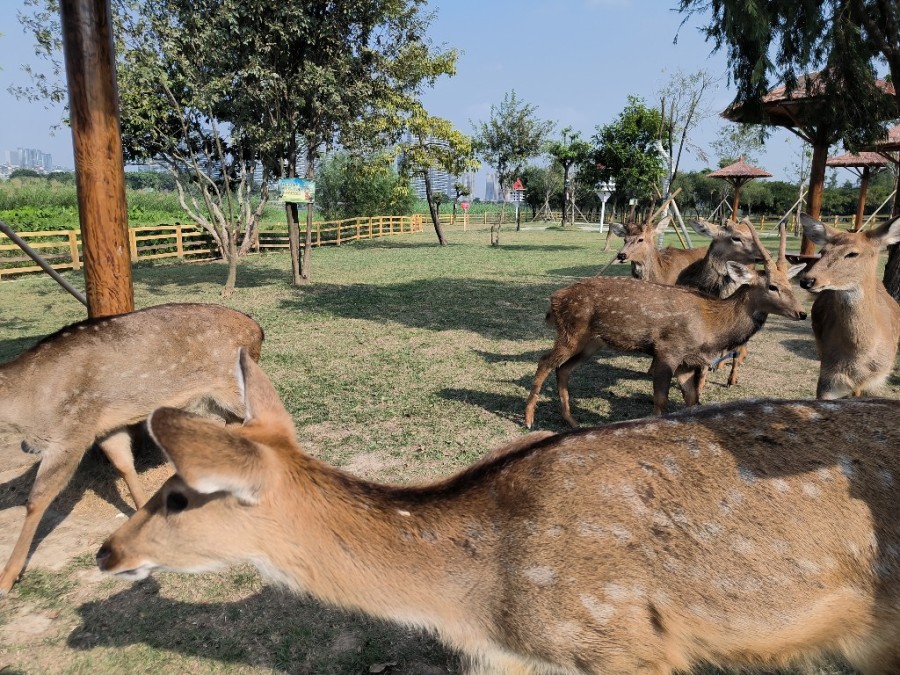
[[759, 533], [91, 380], [855, 320], [682, 329], [647, 261]]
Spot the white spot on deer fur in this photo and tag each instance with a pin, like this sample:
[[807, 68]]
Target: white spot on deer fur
[[621, 593], [781, 485], [632, 499], [621, 533], [600, 611], [540, 576], [661, 519], [805, 411], [746, 474], [847, 467], [824, 474], [743, 546], [808, 566], [715, 449], [768, 410], [811, 490], [671, 466], [403, 513], [554, 531]]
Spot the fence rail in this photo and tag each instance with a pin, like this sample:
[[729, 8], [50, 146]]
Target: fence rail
[[62, 248]]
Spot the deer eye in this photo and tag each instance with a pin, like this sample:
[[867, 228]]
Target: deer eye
[[176, 502], [773, 288], [736, 240], [640, 240], [852, 254]]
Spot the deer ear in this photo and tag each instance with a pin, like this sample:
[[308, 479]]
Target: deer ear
[[794, 270], [886, 234], [704, 227], [618, 229], [740, 274], [817, 232], [262, 406], [208, 457], [663, 224]]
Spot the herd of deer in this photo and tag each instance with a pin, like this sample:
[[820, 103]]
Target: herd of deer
[[753, 533]]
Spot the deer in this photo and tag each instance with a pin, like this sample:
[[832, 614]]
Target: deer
[[756, 533], [856, 322], [682, 329], [647, 261], [92, 380]]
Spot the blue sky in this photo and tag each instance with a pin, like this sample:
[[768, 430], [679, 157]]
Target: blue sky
[[576, 60]]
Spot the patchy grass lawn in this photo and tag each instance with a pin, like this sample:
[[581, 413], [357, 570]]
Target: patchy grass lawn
[[402, 361]]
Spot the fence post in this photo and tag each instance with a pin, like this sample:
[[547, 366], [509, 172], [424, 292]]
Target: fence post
[[357, 230], [73, 249], [762, 223], [380, 226], [370, 227], [132, 243], [179, 241], [318, 234]]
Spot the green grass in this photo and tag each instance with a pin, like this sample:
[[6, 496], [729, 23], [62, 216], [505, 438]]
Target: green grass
[[401, 361]]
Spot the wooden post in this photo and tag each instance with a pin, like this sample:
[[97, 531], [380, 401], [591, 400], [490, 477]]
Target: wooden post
[[816, 191], [370, 227], [357, 229], [99, 166], [861, 204], [73, 250], [132, 244], [179, 242], [339, 233]]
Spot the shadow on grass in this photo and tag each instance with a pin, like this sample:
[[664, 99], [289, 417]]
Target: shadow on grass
[[10, 349], [158, 279], [270, 629], [584, 271], [94, 473], [502, 310]]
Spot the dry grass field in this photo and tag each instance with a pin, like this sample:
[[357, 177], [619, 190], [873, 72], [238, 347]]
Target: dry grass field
[[401, 362]]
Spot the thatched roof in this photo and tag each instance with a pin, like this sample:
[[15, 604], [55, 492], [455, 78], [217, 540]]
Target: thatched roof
[[892, 142], [740, 169], [861, 159]]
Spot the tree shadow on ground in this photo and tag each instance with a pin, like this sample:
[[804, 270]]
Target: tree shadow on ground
[[271, 629], [158, 279], [504, 310], [585, 271], [11, 348]]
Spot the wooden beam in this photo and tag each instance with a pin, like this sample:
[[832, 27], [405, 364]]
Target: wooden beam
[[816, 191], [99, 166]]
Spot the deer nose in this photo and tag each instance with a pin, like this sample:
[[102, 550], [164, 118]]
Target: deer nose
[[807, 282], [102, 556], [622, 256], [803, 316]]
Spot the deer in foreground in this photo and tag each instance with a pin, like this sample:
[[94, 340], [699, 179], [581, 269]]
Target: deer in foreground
[[91, 380], [682, 329], [647, 261], [855, 320], [756, 533]]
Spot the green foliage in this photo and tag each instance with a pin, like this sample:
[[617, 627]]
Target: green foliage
[[781, 40], [739, 140], [511, 136], [627, 149], [348, 186]]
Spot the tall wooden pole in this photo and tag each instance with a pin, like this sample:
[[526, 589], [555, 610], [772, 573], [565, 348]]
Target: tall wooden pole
[[99, 166], [816, 191], [861, 202]]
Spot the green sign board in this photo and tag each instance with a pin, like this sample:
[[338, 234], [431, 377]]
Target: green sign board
[[297, 190]]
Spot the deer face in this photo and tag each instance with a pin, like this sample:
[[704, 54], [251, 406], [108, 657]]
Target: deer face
[[640, 240], [848, 258], [773, 293]]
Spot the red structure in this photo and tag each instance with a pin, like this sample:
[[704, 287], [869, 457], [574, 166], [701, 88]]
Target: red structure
[[862, 165], [737, 175]]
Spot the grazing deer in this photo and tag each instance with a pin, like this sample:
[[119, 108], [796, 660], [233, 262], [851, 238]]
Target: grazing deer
[[647, 261], [682, 329], [755, 533], [91, 380], [855, 320]]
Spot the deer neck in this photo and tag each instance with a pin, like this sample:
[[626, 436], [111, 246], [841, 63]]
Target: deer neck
[[741, 316], [713, 277], [389, 551]]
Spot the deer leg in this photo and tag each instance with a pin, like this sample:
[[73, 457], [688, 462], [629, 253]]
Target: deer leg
[[688, 381], [549, 361], [117, 448], [740, 355], [662, 378], [56, 470], [563, 373]]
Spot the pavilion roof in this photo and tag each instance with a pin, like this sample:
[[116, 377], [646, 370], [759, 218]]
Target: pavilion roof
[[892, 142], [740, 169], [861, 159]]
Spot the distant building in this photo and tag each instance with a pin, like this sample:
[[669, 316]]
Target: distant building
[[492, 188], [28, 158]]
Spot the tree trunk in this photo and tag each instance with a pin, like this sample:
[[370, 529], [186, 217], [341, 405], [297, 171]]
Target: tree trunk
[[565, 204], [306, 259], [435, 216], [892, 269], [231, 254]]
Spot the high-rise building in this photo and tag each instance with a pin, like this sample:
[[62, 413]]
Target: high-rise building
[[492, 188]]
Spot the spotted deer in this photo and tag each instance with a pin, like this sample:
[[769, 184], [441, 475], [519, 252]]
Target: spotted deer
[[91, 380], [647, 261], [682, 329], [855, 320], [758, 533]]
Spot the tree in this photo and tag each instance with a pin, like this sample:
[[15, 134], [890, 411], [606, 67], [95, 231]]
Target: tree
[[682, 107], [567, 152], [459, 190], [511, 136], [543, 187], [739, 140], [626, 150], [845, 39], [432, 143], [349, 185]]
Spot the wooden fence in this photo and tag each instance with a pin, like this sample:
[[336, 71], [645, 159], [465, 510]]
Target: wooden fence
[[62, 248]]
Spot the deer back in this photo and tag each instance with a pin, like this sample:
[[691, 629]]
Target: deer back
[[98, 375], [750, 533]]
